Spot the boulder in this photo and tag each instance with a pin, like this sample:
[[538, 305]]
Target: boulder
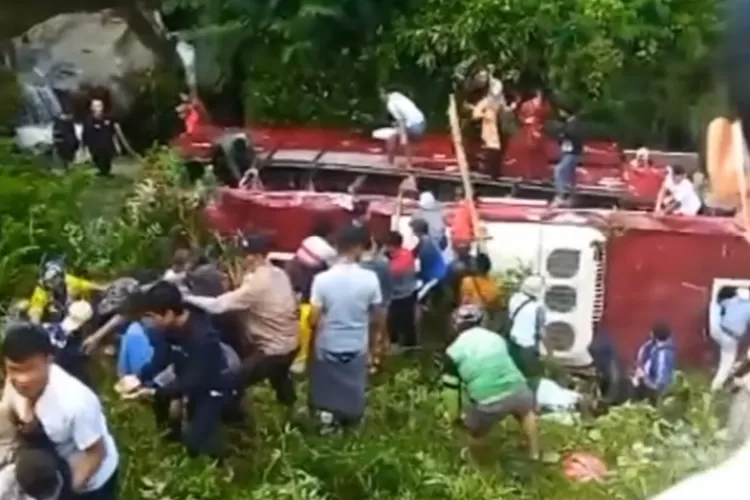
[[73, 52]]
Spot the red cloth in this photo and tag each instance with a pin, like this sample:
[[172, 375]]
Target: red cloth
[[194, 116], [402, 262], [462, 225]]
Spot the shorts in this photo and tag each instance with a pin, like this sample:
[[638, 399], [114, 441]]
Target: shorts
[[480, 418], [416, 130]]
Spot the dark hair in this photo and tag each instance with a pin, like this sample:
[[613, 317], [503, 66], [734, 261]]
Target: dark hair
[[352, 237], [678, 169], [394, 238], [420, 226], [23, 341], [256, 244], [159, 298], [360, 207], [661, 331], [37, 472], [484, 264], [726, 292], [146, 276], [322, 228]]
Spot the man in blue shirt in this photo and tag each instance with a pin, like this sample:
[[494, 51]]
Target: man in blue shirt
[[655, 365], [187, 341], [432, 267]]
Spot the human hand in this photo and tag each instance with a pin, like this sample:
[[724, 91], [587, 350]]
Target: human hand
[[140, 393], [90, 344], [128, 384]]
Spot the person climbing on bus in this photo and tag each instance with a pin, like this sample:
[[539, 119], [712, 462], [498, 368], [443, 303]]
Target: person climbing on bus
[[495, 387], [677, 194], [409, 124], [55, 290], [655, 365], [486, 111]]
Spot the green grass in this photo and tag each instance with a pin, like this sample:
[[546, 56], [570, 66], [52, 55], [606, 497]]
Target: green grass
[[408, 449]]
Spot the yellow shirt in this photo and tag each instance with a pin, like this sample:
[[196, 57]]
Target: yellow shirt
[[78, 288], [482, 291]]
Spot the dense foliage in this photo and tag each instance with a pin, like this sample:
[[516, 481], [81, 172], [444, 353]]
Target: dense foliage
[[644, 67], [407, 449]]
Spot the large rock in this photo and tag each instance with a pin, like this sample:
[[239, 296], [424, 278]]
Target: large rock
[[82, 50]]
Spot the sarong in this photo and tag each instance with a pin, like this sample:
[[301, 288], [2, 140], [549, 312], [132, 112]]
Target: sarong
[[338, 384]]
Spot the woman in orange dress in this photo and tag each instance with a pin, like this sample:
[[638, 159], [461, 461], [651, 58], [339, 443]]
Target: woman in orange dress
[[532, 115]]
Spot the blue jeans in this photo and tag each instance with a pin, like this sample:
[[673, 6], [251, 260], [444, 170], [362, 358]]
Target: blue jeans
[[565, 174]]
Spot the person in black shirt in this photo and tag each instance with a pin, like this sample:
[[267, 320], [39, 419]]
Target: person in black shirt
[[571, 147], [100, 138], [64, 138], [184, 339]]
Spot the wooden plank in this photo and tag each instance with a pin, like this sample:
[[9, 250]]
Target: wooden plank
[[463, 167]]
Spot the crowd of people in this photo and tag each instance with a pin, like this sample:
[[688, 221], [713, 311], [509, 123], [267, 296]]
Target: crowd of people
[[191, 342]]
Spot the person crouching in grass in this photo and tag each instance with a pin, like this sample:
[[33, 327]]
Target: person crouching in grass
[[188, 342], [655, 365], [495, 387]]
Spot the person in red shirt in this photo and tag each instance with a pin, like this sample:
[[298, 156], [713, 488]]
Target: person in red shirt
[[402, 323]]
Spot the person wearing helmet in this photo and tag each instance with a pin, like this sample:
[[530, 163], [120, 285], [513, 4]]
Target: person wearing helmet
[[55, 290], [487, 375]]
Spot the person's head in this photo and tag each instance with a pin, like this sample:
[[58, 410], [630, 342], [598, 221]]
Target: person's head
[[642, 156], [256, 248], [181, 259], [482, 78], [53, 275], [394, 241], [37, 473], [322, 228], [726, 292], [427, 200], [661, 331], [532, 286], [361, 209], [159, 306], [352, 242], [467, 316], [97, 107], [28, 353], [484, 264], [678, 172], [419, 227], [117, 294]]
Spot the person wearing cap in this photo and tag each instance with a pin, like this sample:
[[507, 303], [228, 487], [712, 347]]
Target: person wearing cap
[[55, 290], [494, 387], [655, 365], [526, 317], [268, 306], [58, 412], [431, 211], [347, 312], [677, 194]]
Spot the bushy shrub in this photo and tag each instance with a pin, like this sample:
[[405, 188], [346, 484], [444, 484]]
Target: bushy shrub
[[10, 100]]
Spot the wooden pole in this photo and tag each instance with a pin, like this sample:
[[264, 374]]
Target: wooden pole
[[463, 167]]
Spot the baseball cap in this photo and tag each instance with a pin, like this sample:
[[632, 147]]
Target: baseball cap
[[79, 313], [256, 244]]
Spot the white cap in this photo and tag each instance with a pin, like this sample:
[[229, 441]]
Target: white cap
[[79, 313]]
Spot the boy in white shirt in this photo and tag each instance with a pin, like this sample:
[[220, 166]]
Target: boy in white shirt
[[410, 124], [677, 194]]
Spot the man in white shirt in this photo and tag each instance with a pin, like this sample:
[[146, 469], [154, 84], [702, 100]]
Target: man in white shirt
[[677, 194], [527, 320], [410, 124], [57, 408]]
